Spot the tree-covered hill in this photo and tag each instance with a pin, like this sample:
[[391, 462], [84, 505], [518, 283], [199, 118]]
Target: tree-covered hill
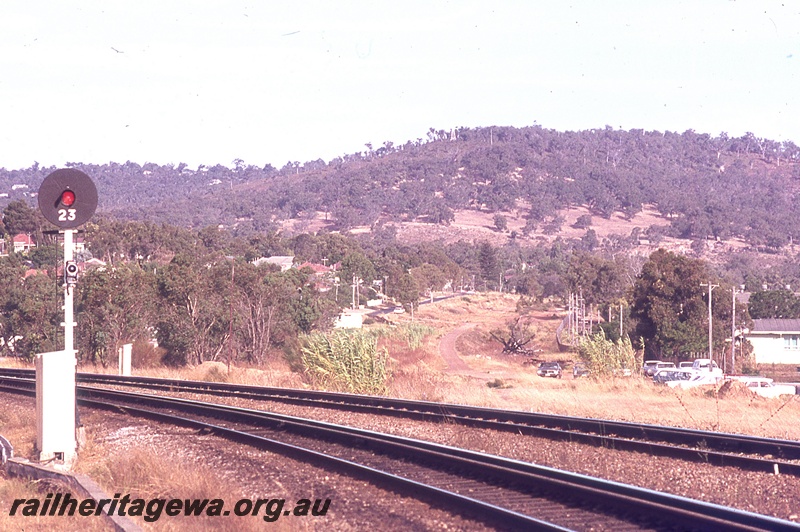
[[706, 186]]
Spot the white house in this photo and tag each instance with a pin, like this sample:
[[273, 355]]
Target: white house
[[775, 341], [349, 319], [285, 262], [23, 243]]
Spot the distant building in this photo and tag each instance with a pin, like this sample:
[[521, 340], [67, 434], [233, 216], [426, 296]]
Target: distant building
[[349, 319], [318, 269], [33, 271], [775, 341], [92, 264], [323, 277], [23, 243], [285, 262]]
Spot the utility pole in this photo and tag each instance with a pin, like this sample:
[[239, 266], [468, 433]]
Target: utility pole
[[733, 331], [710, 322], [230, 322]]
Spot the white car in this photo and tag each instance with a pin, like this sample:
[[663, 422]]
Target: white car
[[697, 379], [707, 366], [666, 375], [767, 388]]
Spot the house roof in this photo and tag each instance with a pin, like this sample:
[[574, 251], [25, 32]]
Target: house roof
[[316, 268], [25, 239], [776, 325], [284, 261]]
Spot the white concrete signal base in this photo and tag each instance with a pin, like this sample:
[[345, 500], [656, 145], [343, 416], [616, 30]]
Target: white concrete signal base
[[55, 410]]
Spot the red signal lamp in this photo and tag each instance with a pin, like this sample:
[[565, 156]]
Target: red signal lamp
[[67, 198]]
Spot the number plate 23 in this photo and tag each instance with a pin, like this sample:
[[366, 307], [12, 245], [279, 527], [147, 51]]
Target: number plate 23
[[66, 215]]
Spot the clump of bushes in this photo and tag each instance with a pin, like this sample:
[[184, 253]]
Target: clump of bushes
[[413, 334], [145, 355], [347, 361], [498, 383], [606, 357]]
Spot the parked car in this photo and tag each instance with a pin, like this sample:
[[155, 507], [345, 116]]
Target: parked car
[[549, 369], [673, 374], [647, 365], [579, 370], [696, 379], [665, 375], [686, 364], [767, 388], [659, 365], [706, 365]]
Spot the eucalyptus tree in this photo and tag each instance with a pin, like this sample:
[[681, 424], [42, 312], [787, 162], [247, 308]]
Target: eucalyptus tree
[[193, 325], [670, 305], [115, 306], [32, 312]]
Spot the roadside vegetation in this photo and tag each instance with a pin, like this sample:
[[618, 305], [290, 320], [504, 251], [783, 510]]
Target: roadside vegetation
[[346, 361]]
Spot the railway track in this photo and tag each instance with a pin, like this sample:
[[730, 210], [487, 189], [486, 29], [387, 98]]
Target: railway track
[[497, 491], [721, 449]]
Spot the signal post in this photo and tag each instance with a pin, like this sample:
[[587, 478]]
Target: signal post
[[67, 199]]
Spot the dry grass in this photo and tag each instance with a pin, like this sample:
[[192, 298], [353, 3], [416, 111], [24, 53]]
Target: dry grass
[[639, 400], [507, 382], [18, 426], [275, 372], [13, 488], [140, 469], [146, 475]]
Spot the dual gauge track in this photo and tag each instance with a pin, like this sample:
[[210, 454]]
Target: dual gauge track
[[497, 491]]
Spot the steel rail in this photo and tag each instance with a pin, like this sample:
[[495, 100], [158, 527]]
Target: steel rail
[[630, 500], [715, 448]]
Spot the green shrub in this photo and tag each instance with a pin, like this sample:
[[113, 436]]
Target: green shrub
[[415, 333], [606, 357], [347, 361], [412, 334], [498, 383]]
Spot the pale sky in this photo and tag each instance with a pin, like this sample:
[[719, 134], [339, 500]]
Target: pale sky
[[207, 82]]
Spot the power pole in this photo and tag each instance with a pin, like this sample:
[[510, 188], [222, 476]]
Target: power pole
[[230, 322], [733, 331], [710, 321]]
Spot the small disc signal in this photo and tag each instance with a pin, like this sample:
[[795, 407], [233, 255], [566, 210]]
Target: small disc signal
[[67, 198]]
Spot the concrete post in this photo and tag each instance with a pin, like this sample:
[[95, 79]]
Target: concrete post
[[125, 360], [55, 407]]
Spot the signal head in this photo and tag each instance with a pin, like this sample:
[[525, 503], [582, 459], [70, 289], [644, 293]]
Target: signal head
[[67, 198]]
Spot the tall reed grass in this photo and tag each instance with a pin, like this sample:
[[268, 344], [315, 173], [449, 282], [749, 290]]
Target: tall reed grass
[[606, 357], [346, 361], [412, 334]]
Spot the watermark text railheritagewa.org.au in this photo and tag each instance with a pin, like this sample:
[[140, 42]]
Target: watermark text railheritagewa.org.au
[[151, 510]]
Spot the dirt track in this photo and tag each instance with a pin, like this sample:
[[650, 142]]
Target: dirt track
[[447, 348]]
